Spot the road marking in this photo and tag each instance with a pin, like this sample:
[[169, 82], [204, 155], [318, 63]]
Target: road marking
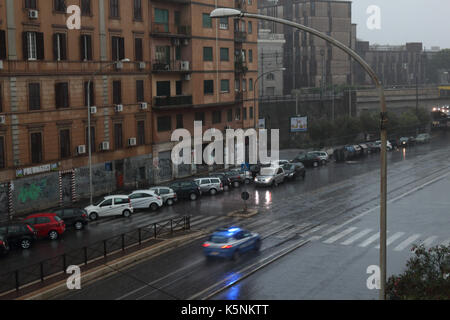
[[373, 238], [407, 242], [201, 220], [356, 237], [313, 230], [256, 223], [340, 235], [427, 242], [392, 238]]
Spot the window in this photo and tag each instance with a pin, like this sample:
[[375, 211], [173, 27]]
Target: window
[[250, 27], [33, 45], [2, 45], [225, 85], [106, 203], [137, 10], [250, 84], [140, 91], [244, 84], [60, 6], [64, 143], [200, 116], [91, 94], [62, 95], [118, 48], [34, 96], [244, 113], [216, 116], [117, 92], [180, 121], [164, 123], [162, 54], [118, 136], [208, 86], [163, 88], [114, 8], [251, 112], [207, 22], [223, 23], [270, 76], [250, 55], [224, 54], [238, 114], [86, 47], [86, 7], [230, 115], [141, 132], [237, 85], [30, 4], [92, 138], [207, 54], [162, 18], [138, 53], [2, 152], [177, 53], [179, 88]]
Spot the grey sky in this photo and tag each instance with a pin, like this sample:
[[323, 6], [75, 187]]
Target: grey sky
[[404, 21]]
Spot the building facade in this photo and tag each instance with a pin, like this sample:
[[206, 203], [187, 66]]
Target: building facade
[[184, 66], [270, 70]]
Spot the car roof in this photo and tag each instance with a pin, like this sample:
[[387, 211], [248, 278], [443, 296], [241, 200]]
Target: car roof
[[115, 196], [140, 191], [227, 232]]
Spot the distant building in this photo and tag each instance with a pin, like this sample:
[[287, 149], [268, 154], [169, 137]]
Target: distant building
[[270, 49]]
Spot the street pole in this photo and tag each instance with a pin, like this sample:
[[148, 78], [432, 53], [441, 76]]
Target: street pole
[[228, 12]]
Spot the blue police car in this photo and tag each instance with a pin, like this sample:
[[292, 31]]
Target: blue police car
[[231, 242]]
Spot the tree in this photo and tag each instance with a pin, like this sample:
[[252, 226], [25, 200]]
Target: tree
[[427, 276]]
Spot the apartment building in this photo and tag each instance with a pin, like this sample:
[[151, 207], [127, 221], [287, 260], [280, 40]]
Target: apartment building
[[183, 67]]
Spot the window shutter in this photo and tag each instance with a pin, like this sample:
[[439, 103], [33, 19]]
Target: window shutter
[[25, 45], [63, 46], [2, 44], [40, 45], [55, 46], [89, 47], [82, 48], [121, 48], [114, 49]]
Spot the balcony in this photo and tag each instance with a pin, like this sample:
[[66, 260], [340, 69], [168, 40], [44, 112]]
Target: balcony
[[177, 101], [162, 30], [240, 36], [171, 66]]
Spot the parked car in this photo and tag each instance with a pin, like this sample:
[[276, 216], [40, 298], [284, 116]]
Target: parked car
[[245, 176], [322, 155], [73, 217], [4, 246], [168, 196], [373, 147], [18, 233], [388, 145], [271, 176], [278, 163], [231, 243], [423, 138], [294, 170], [308, 159], [236, 178], [186, 190], [145, 199], [210, 185], [226, 181], [117, 205], [47, 225], [365, 149]]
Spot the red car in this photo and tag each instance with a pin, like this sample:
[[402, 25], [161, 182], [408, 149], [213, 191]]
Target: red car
[[47, 225]]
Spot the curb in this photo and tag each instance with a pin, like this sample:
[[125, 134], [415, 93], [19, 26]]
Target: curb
[[103, 271], [240, 214]]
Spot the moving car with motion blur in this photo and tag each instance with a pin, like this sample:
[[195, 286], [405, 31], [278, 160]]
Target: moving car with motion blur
[[231, 243], [270, 176]]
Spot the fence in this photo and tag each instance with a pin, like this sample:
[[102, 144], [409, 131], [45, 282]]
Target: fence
[[39, 272]]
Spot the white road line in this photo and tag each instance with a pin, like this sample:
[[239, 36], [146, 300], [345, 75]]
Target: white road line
[[446, 243], [196, 222], [407, 242], [427, 242], [340, 235], [373, 238], [392, 238], [313, 230], [356, 237]]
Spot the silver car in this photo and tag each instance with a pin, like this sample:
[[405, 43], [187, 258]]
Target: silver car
[[324, 157], [210, 185], [167, 195], [270, 176]]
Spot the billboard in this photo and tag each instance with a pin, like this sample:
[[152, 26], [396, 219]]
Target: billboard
[[299, 124]]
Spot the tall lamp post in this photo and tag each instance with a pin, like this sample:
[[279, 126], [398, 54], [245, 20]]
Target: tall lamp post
[[89, 119], [228, 12]]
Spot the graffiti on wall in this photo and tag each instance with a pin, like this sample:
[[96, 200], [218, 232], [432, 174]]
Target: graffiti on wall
[[32, 191]]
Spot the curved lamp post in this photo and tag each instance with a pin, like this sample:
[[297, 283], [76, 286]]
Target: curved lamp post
[[89, 119], [228, 12]]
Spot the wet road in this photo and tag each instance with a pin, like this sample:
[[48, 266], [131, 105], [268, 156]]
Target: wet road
[[319, 235]]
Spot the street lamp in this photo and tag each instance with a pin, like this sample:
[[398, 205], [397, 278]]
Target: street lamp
[[228, 12], [89, 119]]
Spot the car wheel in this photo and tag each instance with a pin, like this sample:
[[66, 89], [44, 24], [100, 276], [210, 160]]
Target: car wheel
[[53, 235], [154, 206], [126, 213], [315, 164], [213, 192], [193, 196], [25, 244], [93, 216], [236, 184], [257, 245], [78, 225], [236, 255], [169, 202]]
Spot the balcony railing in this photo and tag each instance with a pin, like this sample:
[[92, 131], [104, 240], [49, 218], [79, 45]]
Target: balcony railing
[[172, 101], [170, 30], [240, 36], [171, 66]]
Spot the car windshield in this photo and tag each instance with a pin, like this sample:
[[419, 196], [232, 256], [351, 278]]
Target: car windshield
[[218, 239], [267, 171], [99, 201]]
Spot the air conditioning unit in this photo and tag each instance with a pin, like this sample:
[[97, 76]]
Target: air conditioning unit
[[132, 142], [185, 42], [187, 77], [119, 65], [33, 14], [81, 149], [118, 107], [104, 146], [184, 66], [93, 110], [2, 119], [143, 105], [142, 65]]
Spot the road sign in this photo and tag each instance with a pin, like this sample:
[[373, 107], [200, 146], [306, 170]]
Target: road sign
[[245, 195]]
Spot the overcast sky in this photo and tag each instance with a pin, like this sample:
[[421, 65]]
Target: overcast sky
[[403, 21]]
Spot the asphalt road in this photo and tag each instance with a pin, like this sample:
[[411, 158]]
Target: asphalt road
[[319, 235]]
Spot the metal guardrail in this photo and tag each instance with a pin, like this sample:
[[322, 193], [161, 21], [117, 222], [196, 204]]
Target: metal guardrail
[[39, 272]]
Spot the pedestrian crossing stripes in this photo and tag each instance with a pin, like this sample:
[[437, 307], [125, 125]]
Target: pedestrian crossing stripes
[[370, 240], [356, 237], [407, 242], [392, 238], [340, 235], [429, 241]]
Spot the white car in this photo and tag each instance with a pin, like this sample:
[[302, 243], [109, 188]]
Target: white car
[[168, 196], [145, 199], [118, 205], [388, 144]]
